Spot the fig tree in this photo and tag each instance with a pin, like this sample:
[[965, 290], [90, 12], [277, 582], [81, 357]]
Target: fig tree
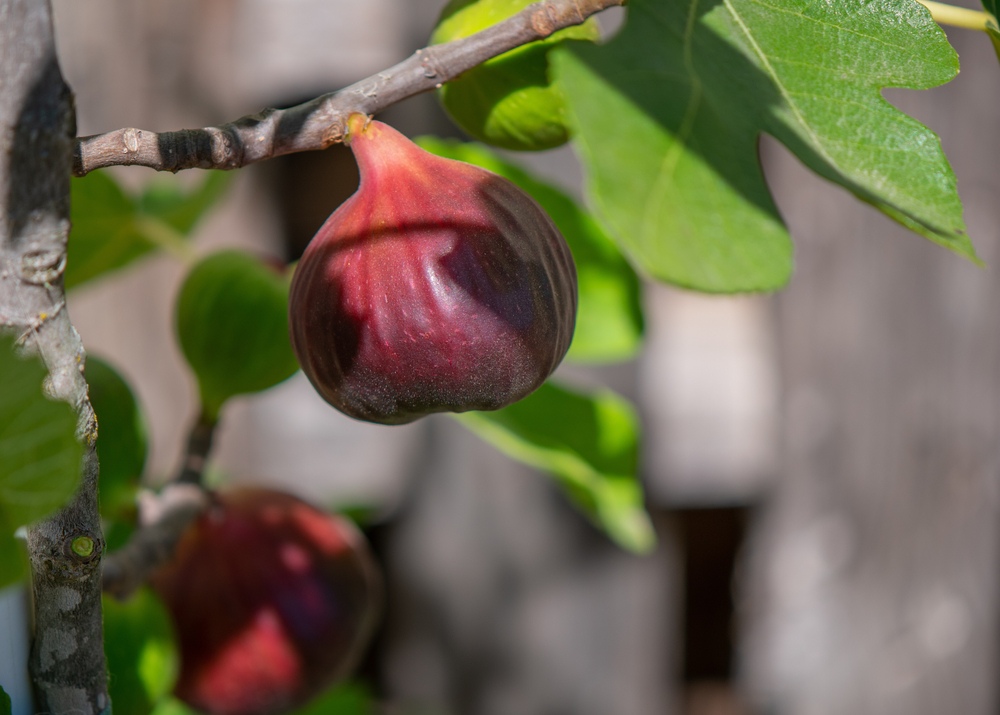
[[438, 286], [272, 601]]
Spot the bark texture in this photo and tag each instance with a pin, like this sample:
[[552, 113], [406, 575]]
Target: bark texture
[[36, 145], [323, 121]]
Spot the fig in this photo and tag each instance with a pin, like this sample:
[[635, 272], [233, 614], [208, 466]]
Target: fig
[[272, 601], [438, 286], [508, 101]]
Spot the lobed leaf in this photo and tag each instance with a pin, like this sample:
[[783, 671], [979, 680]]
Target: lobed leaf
[[589, 442], [668, 115]]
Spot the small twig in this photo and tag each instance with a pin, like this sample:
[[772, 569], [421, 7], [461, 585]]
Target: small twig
[[959, 16], [323, 121], [198, 447], [165, 517]]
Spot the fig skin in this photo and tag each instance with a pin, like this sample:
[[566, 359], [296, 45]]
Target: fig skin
[[438, 286], [272, 601]]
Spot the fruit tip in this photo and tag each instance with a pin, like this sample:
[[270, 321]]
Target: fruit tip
[[357, 123]]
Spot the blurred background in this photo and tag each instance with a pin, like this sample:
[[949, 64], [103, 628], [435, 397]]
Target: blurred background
[[822, 465]]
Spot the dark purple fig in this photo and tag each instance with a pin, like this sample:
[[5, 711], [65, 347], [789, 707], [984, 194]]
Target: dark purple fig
[[438, 286], [272, 601]]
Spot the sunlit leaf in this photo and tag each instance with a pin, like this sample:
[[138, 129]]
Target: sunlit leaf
[[589, 442], [668, 115]]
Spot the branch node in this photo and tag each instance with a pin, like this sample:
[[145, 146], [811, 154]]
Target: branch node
[[131, 137]]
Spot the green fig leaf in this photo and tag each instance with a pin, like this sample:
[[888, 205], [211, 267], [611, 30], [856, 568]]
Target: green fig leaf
[[4, 702], [589, 442], [668, 114], [141, 653], [165, 200], [232, 321], [111, 229], [507, 101], [39, 453], [350, 698], [13, 559], [122, 438], [105, 236], [609, 322], [173, 706], [992, 28]]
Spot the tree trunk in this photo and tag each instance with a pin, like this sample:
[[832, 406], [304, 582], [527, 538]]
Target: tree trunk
[[36, 134]]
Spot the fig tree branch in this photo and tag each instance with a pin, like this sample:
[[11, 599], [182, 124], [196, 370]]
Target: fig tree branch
[[323, 121], [163, 517], [37, 124]]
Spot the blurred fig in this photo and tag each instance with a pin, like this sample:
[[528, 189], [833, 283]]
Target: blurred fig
[[272, 601], [508, 101], [438, 286]]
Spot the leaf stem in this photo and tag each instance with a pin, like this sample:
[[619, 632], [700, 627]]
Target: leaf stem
[[167, 238], [959, 16]]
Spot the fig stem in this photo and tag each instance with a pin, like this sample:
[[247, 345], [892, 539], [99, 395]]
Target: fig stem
[[199, 445], [322, 121]]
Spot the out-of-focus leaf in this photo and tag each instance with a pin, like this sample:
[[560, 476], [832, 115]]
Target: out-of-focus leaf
[[668, 115], [182, 210], [609, 321], [589, 442], [39, 454], [992, 28], [351, 698], [13, 563], [232, 321], [121, 437], [4, 702], [111, 229], [104, 236], [142, 656], [172, 706]]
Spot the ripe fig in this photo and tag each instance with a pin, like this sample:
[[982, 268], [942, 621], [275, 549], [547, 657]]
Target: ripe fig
[[507, 101], [438, 286], [272, 601]]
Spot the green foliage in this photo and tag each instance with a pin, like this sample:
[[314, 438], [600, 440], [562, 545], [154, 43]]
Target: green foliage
[[141, 653], [122, 440], [112, 229], [232, 321], [992, 29], [509, 100], [39, 453], [668, 115], [589, 442], [4, 703], [351, 698], [609, 322]]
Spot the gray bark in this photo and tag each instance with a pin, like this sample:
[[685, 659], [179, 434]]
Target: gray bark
[[36, 140]]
